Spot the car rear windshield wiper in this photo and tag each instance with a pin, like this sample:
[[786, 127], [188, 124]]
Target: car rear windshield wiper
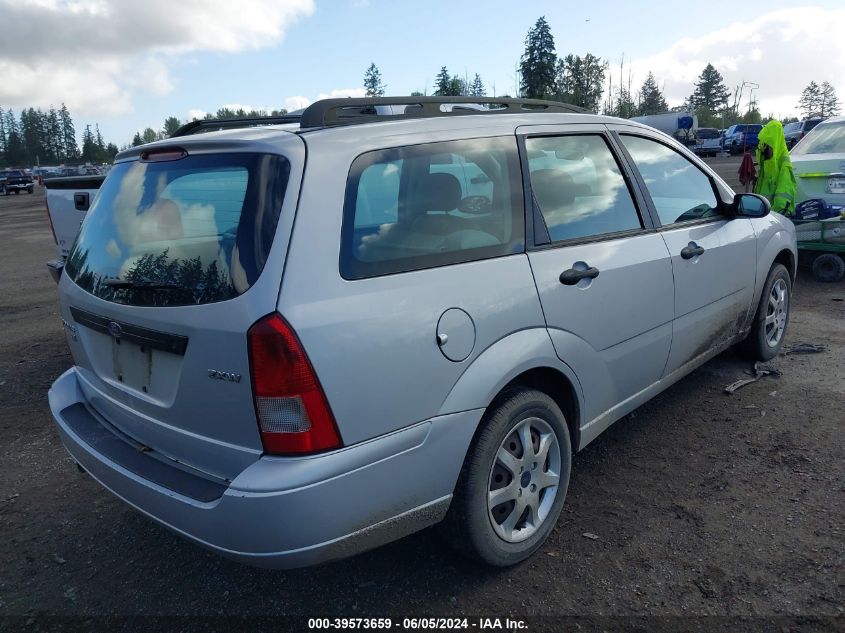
[[125, 284]]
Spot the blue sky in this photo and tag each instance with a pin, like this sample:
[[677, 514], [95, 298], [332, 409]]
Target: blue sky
[[127, 65]]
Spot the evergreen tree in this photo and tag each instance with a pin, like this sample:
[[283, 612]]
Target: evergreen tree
[[441, 83], [710, 94], [457, 87], [373, 83], [476, 88], [15, 154], [652, 100], [171, 124], [580, 80], [2, 137], [54, 133], [111, 152], [89, 146], [829, 105], [70, 151], [810, 101], [137, 140], [538, 63], [149, 134]]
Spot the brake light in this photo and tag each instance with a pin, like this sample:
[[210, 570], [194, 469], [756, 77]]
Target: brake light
[[293, 414], [50, 220]]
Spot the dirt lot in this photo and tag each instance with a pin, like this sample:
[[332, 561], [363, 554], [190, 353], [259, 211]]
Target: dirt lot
[[703, 503]]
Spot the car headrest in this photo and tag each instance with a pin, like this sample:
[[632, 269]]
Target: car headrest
[[553, 188], [440, 192]]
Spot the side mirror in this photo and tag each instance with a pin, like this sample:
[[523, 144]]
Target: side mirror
[[750, 205]]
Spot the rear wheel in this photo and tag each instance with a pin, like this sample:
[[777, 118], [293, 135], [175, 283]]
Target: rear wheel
[[513, 482], [765, 339], [828, 267]]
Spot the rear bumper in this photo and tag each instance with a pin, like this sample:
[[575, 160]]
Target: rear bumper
[[20, 186], [280, 512]]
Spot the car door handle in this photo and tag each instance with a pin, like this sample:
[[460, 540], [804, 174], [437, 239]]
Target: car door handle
[[691, 250], [571, 277]]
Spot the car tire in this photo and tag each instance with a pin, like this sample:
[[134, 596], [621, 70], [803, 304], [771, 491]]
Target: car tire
[[828, 267], [771, 319], [29, 190], [469, 525]]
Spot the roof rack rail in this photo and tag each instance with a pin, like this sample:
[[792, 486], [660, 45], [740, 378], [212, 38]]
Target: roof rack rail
[[347, 111], [214, 125]]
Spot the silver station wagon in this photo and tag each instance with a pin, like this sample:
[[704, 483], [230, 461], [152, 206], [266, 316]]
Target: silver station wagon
[[297, 341]]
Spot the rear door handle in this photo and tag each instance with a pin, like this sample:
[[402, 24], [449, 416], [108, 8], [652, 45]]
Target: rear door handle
[[571, 277], [691, 250]]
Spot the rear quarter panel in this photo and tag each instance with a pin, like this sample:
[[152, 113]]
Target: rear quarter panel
[[373, 341]]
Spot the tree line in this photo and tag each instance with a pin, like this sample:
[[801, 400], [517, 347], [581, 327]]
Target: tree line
[[580, 80], [48, 137]]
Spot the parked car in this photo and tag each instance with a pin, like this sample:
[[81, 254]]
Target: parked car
[[15, 181], [818, 162], [291, 361], [797, 130], [741, 136], [708, 141]]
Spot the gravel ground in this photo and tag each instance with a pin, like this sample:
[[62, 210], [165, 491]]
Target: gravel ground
[[701, 504]]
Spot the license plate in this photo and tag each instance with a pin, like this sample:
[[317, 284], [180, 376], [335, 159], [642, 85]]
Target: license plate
[[133, 364], [836, 184]]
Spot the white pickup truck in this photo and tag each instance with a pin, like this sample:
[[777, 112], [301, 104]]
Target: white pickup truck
[[68, 200]]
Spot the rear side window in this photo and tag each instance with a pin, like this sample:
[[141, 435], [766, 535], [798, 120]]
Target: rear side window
[[431, 205], [190, 231], [579, 187]]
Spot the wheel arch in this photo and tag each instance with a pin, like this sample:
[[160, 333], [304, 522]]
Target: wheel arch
[[787, 258], [529, 359], [559, 388]]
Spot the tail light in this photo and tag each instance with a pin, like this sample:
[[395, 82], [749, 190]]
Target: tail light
[[50, 220], [293, 414]]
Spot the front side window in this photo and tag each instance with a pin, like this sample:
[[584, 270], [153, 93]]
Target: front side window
[[679, 190], [182, 232], [430, 205], [579, 187]]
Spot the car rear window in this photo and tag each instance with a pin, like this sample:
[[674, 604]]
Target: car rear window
[[431, 205], [827, 138], [810, 124], [181, 232], [706, 132]]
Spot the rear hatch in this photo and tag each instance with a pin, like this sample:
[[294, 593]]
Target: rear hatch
[[181, 252]]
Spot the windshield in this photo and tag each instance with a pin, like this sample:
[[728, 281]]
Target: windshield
[[826, 138], [182, 232]]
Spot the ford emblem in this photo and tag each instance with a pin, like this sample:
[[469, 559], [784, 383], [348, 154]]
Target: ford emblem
[[115, 330]]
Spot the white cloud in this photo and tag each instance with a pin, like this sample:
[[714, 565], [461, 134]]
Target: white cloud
[[92, 54], [196, 113], [298, 101], [781, 51]]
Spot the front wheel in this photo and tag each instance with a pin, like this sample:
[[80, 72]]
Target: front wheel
[[765, 339], [513, 482]]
